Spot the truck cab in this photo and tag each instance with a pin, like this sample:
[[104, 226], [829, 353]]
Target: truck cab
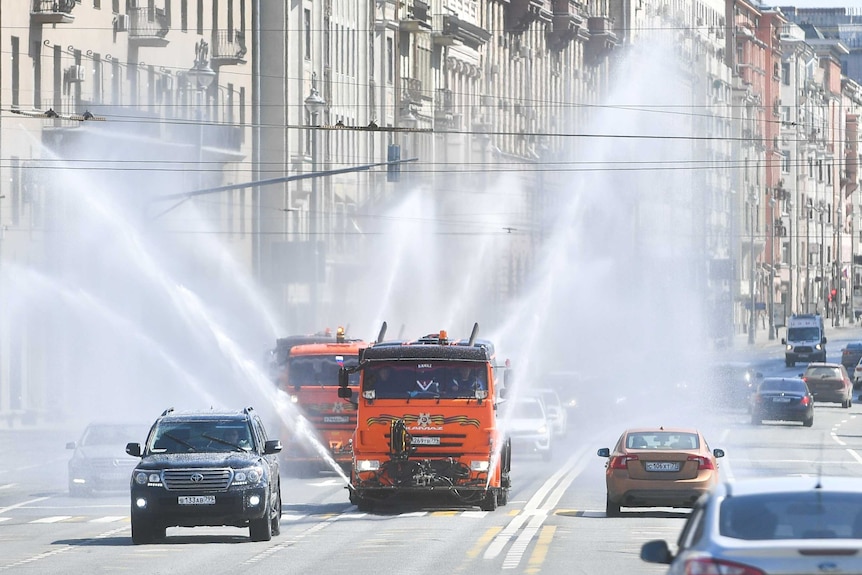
[[427, 422], [805, 340]]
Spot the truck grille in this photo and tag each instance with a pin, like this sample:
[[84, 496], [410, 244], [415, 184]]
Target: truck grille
[[197, 479]]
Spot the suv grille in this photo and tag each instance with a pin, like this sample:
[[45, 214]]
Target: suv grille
[[197, 479]]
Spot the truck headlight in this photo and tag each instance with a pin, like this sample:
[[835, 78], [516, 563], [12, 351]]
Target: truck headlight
[[818, 346], [542, 429], [482, 465], [367, 465]]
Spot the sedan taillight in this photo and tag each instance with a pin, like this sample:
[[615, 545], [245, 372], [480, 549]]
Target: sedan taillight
[[620, 461], [805, 400], [702, 462], [709, 566]]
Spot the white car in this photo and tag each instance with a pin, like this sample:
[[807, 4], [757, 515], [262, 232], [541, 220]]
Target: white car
[[775, 525], [527, 425], [554, 410]]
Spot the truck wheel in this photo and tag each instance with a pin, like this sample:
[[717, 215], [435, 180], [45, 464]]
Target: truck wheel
[[489, 503], [364, 504], [503, 497], [260, 529]]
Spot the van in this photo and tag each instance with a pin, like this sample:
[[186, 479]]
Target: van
[[806, 339]]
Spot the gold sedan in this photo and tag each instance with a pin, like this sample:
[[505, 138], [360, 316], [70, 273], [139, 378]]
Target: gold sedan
[[659, 467]]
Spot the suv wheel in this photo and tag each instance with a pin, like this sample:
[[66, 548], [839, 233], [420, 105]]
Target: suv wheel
[[276, 521], [611, 509], [144, 531], [260, 529]]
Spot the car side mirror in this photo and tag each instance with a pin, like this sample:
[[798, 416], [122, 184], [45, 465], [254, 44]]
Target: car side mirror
[[604, 452], [70, 445], [133, 449], [272, 446], [656, 552], [718, 453]]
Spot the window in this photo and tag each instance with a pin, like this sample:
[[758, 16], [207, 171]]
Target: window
[[390, 61], [306, 14], [15, 71]]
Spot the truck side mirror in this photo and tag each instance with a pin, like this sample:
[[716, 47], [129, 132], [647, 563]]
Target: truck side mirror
[[783, 341], [345, 392], [343, 379], [823, 340]]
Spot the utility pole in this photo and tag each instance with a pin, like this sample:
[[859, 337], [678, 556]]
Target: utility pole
[[752, 312], [771, 292]]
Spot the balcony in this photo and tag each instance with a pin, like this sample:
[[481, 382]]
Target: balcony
[[411, 90], [52, 11], [456, 30], [602, 37], [522, 13], [566, 25], [148, 27], [418, 19], [228, 48]]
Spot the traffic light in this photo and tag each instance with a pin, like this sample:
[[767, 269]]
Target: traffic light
[[393, 171]]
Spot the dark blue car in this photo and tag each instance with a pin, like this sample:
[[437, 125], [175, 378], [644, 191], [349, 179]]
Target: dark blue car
[[782, 399]]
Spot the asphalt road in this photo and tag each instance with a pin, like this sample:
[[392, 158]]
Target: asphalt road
[[554, 523]]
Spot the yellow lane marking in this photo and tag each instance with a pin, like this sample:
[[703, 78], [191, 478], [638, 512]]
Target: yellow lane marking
[[540, 551], [483, 541]]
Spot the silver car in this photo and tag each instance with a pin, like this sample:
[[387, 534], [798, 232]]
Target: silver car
[[783, 525]]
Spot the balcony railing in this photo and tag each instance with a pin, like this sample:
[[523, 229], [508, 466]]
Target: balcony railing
[[412, 89], [52, 11], [149, 26], [229, 47]]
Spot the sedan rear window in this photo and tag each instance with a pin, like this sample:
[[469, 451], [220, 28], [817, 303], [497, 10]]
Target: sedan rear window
[[807, 515], [662, 440], [783, 385]]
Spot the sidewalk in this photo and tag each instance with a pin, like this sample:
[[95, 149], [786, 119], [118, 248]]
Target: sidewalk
[[763, 343]]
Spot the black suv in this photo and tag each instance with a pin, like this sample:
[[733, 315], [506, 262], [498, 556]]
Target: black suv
[[206, 468]]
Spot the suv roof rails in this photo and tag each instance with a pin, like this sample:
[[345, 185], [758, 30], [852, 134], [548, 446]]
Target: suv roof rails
[[248, 410], [167, 411]]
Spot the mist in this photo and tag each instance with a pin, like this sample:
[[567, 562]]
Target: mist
[[133, 313]]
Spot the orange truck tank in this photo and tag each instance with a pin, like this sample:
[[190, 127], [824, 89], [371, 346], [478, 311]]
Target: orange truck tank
[[427, 422], [311, 383]]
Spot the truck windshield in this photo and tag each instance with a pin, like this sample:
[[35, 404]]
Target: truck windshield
[[320, 370], [426, 380], [803, 334]]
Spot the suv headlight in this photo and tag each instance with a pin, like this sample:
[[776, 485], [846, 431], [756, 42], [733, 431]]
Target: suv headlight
[[145, 477], [248, 475]]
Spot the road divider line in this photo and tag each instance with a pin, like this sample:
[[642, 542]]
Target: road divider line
[[486, 538], [22, 504], [540, 552]]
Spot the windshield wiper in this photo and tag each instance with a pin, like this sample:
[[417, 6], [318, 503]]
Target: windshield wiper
[[222, 441], [180, 441]]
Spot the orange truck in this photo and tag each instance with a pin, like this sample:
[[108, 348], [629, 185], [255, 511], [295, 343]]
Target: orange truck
[[323, 423], [427, 421]]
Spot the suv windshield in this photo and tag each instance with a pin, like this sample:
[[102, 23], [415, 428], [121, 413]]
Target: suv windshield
[[203, 436], [803, 334]]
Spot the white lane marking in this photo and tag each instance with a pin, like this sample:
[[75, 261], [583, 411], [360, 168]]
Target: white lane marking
[[53, 519], [536, 510], [108, 519], [5, 519], [838, 441], [475, 514], [326, 483], [63, 549], [22, 504], [8, 485], [855, 455], [286, 517]]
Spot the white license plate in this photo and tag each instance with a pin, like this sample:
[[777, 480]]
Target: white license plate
[[196, 500], [662, 466], [780, 400], [425, 441]]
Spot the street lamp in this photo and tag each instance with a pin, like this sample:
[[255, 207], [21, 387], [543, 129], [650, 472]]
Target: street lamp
[[314, 105], [838, 270], [790, 246], [752, 318], [201, 76], [770, 293], [808, 207]]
